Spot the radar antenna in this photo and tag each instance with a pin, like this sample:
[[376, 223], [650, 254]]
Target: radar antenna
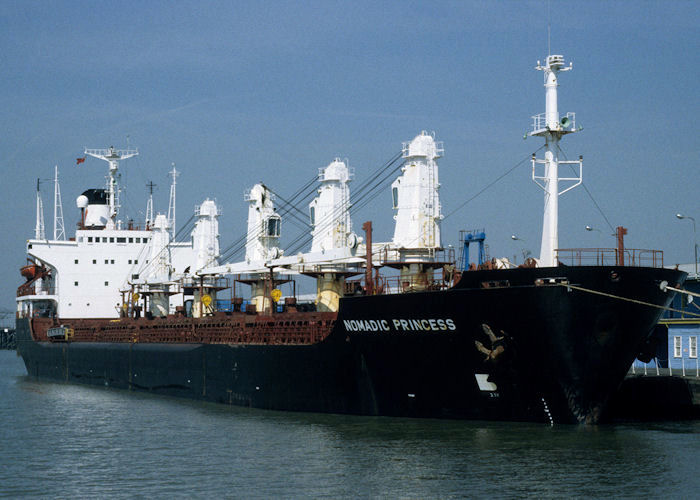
[[112, 156]]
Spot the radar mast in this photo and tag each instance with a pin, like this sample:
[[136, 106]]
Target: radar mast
[[551, 127], [112, 156]]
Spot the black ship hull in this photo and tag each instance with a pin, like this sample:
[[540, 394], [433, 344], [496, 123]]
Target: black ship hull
[[547, 345]]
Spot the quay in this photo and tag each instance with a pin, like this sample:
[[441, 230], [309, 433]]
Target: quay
[[7, 338], [666, 384], [658, 394]]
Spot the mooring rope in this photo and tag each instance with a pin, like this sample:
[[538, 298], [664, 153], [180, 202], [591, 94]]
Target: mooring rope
[[627, 299]]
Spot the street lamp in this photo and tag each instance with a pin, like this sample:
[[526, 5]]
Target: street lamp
[[589, 228], [695, 240], [526, 253]]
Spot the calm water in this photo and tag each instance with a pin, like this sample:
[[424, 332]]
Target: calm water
[[59, 440]]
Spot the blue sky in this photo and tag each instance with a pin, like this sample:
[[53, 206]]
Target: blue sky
[[240, 92]]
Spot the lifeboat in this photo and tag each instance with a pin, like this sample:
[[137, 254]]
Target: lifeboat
[[30, 271]]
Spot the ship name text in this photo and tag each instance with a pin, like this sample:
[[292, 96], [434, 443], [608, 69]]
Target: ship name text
[[399, 325]]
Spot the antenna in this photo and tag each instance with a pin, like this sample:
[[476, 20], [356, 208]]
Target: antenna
[[549, 27], [171, 205], [112, 156], [149, 206], [59, 232], [39, 232]]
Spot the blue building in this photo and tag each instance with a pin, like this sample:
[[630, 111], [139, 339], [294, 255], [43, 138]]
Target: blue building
[[677, 334]]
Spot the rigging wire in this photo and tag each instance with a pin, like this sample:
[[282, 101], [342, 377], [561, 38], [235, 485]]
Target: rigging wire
[[492, 183], [368, 188], [300, 196], [239, 243], [364, 198], [290, 208], [600, 210]]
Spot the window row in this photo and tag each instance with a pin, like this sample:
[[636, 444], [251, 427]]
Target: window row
[[112, 239], [678, 346], [108, 261], [76, 283]]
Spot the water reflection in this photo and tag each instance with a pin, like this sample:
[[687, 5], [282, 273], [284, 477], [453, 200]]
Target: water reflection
[[69, 440]]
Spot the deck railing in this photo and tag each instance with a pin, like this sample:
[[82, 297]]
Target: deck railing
[[610, 257], [33, 289], [690, 369], [400, 284]]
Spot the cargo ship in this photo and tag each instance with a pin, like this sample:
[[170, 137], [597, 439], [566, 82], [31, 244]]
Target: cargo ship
[[396, 328]]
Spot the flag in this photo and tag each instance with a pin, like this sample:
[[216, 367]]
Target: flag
[[78, 161]]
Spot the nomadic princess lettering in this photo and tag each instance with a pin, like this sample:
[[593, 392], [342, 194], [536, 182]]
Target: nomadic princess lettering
[[399, 325]]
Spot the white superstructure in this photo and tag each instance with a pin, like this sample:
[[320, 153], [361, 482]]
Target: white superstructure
[[110, 268], [87, 275]]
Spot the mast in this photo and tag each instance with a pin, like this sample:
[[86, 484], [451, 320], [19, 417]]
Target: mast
[[549, 126], [149, 205], [39, 232], [59, 232], [112, 156], [171, 205]]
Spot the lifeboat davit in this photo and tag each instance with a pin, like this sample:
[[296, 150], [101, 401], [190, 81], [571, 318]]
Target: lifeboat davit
[[30, 271]]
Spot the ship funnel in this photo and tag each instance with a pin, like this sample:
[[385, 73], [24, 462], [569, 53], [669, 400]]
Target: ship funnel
[[95, 203]]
